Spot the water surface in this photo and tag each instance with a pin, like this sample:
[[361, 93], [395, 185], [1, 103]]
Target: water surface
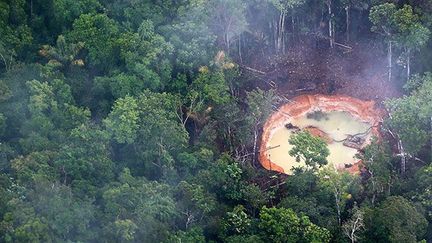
[[336, 124]]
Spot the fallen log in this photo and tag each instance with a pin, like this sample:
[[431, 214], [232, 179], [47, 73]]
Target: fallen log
[[342, 45], [334, 42], [277, 146], [354, 135], [253, 70]]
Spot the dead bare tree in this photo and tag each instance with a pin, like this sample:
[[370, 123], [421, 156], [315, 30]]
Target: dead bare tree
[[331, 28], [401, 150], [354, 225], [194, 103]]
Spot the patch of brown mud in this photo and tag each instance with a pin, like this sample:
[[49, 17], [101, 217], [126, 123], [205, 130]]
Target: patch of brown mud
[[364, 111], [308, 68]]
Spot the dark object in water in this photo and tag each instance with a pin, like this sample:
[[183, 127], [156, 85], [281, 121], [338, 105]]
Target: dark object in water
[[355, 142], [317, 115], [290, 126]]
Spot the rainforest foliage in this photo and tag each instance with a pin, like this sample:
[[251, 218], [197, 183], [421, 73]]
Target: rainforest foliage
[[135, 121]]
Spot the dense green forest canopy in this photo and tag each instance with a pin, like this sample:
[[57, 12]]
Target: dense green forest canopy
[[139, 120]]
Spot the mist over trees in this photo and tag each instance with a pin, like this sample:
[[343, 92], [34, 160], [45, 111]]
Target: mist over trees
[[140, 121]]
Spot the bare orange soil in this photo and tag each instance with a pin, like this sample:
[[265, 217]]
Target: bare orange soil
[[301, 105]]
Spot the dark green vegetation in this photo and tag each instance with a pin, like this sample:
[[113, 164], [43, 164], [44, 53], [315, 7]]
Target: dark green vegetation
[[120, 122]]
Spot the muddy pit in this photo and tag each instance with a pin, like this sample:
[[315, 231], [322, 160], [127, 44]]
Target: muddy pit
[[346, 124]]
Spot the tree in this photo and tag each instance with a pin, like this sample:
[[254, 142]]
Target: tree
[[382, 173], [7, 57], [339, 184], [194, 203], [63, 54], [14, 105], [145, 55], [15, 34], [412, 35], [354, 225], [238, 220], [382, 18], [211, 87], [423, 186], [125, 230], [50, 213], [331, 20], [123, 120], [260, 107], [224, 178], [133, 13], [32, 229], [207, 91], [84, 160], [192, 39], [66, 11], [255, 197], [99, 34], [34, 167], [348, 5], [147, 125], [135, 201], [410, 118], [189, 163], [312, 150], [52, 115], [194, 234], [283, 6], [395, 220], [400, 26], [283, 225], [228, 19]]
